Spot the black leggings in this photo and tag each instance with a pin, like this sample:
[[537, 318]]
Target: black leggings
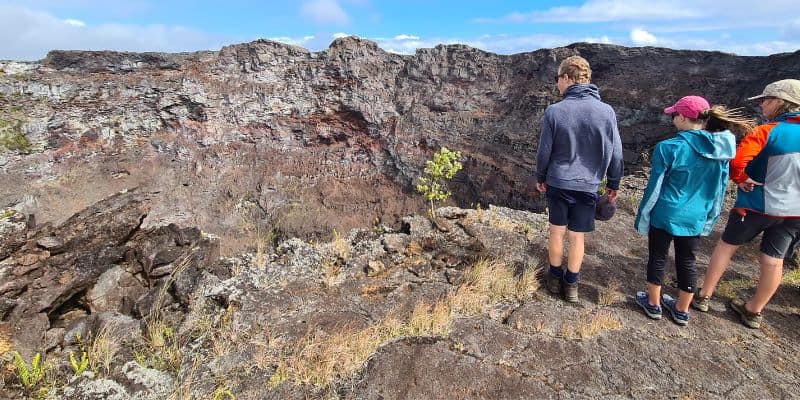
[[685, 249]]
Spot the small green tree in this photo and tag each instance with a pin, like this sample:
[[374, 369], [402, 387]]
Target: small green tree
[[443, 167]]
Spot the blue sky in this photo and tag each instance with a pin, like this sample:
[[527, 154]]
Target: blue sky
[[30, 28]]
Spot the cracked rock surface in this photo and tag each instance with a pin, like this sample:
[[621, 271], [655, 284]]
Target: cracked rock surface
[[321, 319]]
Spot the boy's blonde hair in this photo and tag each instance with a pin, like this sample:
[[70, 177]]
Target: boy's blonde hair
[[577, 68]]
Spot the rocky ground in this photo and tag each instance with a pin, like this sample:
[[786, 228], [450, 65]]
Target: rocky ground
[[448, 308]]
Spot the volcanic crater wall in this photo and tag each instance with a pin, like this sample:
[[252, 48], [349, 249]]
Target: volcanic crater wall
[[265, 138]]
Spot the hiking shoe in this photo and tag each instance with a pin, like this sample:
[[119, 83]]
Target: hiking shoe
[[553, 283], [679, 317], [701, 303], [749, 319], [570, 291], [654, 312]]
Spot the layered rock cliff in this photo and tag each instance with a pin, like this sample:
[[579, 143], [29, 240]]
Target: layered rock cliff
[[265, 139]]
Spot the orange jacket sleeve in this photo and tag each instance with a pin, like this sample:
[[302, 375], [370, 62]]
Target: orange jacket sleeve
[[748, 149]]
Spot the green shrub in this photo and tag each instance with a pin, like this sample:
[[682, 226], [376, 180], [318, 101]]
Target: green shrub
[[443, 167]]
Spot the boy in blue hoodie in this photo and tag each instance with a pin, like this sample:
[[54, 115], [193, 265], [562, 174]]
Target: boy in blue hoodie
[[684, 197]]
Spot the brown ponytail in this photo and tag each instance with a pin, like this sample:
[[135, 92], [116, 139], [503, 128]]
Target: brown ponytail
[[719, 118]]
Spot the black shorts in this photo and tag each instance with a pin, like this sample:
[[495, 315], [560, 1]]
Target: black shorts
[[571, 208], [778, 232]]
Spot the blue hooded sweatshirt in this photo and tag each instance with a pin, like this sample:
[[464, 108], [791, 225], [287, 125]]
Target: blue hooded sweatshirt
[[687, 183], [580, 142]]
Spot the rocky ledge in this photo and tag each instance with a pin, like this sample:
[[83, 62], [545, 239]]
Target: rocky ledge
[[448, 308]]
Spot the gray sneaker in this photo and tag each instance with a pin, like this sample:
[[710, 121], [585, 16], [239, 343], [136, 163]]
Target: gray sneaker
[[553, 283], [749, 319], [570, 292], [701, 303]]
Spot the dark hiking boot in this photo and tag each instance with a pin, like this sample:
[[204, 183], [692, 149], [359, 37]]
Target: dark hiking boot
[[553, 283], [570, 291]]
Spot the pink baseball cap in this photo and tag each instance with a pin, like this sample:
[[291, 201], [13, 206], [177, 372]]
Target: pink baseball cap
[[689, 106]]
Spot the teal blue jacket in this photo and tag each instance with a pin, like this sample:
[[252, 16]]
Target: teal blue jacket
[[687, 183]]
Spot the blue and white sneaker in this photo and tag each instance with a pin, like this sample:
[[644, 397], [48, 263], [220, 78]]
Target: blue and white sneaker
[[654, 312], [679, 317]]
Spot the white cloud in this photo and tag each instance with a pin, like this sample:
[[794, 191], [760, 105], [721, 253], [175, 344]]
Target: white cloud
[[602, 39], [603, 11], [74, 22], [301, 41], [339, 35], [642, 37], [35, 33], [406, 37], [325, 12]]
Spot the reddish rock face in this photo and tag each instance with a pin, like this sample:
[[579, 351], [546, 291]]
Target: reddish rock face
[[264, 139]]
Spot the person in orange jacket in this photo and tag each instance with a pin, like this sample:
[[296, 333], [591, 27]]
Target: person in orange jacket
[[767, 171]]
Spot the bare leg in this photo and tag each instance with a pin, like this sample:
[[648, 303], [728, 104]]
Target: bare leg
[[720, 259], [684, 299], [575, 258], [555, 244], [653, 294], [768, 282]]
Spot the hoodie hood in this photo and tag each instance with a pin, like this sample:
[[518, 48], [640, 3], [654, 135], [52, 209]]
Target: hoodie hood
[[715, 146], [582, 90]]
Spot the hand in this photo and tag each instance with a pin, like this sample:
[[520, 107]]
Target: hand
[[542, 187], [749, 185], [612, 195]]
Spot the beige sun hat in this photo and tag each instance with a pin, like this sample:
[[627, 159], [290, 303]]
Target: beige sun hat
[[787, 89]]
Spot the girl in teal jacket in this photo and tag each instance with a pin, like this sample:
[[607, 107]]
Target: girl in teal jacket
[[684, 197]]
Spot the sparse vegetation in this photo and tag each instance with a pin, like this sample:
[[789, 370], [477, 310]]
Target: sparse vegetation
[[729, 289], [78, 367], [791, 277], [12, 138], [443, 167], [103, 348], [492, 281], [319, 359], [7, 213], [609, 295], [591, 325], [223, 393], [29, 375]]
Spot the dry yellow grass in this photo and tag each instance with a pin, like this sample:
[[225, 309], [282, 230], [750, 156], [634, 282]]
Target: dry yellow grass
[[609, 295], [225, 336], [5, 342], [320, 359], [496, 280], [340, 247], [103, 348], [591, 325]]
